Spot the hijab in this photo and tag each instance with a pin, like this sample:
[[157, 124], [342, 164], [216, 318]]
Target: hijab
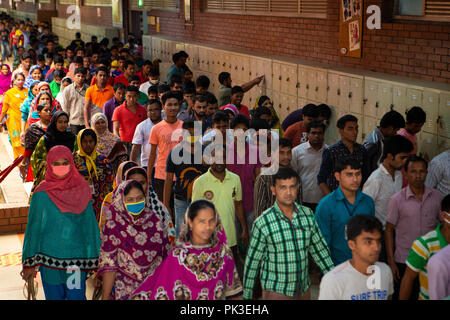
[[90, 158], [5, 81], [106, 140], [54, 137], [30, 79], [71, 193]]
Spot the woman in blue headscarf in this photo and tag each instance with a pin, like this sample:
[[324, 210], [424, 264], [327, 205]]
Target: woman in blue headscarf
[[25, 108], [35, 74]]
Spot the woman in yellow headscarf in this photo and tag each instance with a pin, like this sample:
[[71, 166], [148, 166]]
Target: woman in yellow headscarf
[[264, 101], [11, 107], [94, 167]]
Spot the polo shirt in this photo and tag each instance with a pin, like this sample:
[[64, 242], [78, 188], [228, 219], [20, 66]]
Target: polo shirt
[[98, 97], [412, 218], [223, 194], [108, 111], [128, 120], [421, 251], [333, 213], [121, 79], [296, 133]]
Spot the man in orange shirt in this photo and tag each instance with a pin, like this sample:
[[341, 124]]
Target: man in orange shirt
[[97, 95], [297, 132]]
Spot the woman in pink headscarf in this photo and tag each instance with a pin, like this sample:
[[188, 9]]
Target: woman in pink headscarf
[[5, 82]]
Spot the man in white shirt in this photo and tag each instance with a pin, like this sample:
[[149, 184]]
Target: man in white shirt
[[142, 133], [306, 160], [361, 277], [438, 176]]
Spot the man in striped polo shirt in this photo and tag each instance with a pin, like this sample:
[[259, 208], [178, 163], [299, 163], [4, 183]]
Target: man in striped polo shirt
[[422, 250]]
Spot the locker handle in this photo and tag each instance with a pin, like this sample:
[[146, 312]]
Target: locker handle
[[377, 104], [328, 88], [350, 95], [235, 68], [250, 73], [287, 79], [317, 89], [307, 86], [298, 85], [392, 106], [339, 92], [279, 78], [365, 101], [223, 65]]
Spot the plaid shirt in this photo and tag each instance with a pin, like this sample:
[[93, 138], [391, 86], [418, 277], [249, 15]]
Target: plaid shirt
[[280, 247]]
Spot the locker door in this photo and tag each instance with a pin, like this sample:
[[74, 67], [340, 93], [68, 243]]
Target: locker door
[[370, 98], [321, 93], [291, 79], [276, 102], [155, 48], [301, 102], [202, 59], [292, 104], [428, 145], [356, 95], [399, 99], [431, 107], [284, 85], [384, 98], [276, 76], [302, 81], [267, 70], [333, 88], [210, 60], [443, 144], [369, 124], [164, 68], [343, 93], [413, 98], [146, 45], [244, 68], [444, 115], [180, 46], [311, 84]]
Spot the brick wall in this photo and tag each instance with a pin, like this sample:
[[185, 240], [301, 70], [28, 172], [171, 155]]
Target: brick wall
[[89, 15], [13, 220], [412, 49]]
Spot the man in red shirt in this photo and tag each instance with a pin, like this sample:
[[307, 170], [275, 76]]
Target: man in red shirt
[[297, 132], [237, 94], [145, 72], [128, 71], [127, 116]]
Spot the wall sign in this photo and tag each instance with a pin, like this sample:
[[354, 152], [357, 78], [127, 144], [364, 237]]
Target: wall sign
[[117, 13], [350, 28]]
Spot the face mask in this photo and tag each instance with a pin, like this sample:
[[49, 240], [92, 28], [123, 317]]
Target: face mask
[[61, 171], [58, 83], [154, 81], [135, 208], [20, 83]]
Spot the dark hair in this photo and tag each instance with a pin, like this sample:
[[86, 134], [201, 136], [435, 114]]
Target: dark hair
[[134, 78], [211, 98], [187, 70], [32, 85], [188, 90], [315, 124], [285, 143], [362, 222], [162, 87], [188, 124], [66, 79], [416, 115], [132, 89], [176, 57], [121, 58], [152, 89], [236, 89], [445, 204], [119, 86], [40, 107], [154, 101], [147, 63], [126, 167], [195, 207], [343, 163], [80, 70], [392, 119], [415, 158], [395, 145], [239, 119], [179, 96], [223, 76], [310, 110], [324, 111], [259, 111], [59, 74], [344, 119], [258, 124], [102, 69], [202, 81], [135, 170], [19, 74], [40, 57], [284, 173], [153, 73], [175, 79], [88, 132], [168, 95], [183, 54], [131, 185], [220, 116], [58, 59], [200, 98], [127, 63]]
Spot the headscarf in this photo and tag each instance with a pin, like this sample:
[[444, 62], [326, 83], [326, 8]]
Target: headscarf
[[90, 158], [54, 137], [120, 173], [26, 104], [70, 194], [5, 81], [33, 115], [230, 107], [106, 140], [194, 272], [29, 80]]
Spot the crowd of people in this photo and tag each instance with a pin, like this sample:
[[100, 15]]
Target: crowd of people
[[151, 188]]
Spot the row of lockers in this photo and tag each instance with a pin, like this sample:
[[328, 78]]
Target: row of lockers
[[291, 85]]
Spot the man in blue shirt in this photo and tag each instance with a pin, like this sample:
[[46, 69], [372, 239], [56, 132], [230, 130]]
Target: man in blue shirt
[[176, 69], [334, 211]]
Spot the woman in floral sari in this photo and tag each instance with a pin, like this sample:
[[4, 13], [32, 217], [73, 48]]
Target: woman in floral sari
[[108, 144], [134, 243], [94, 167], [200, 267], [11, 107]]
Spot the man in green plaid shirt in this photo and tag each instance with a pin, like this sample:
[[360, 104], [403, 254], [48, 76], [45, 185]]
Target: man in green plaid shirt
[[281, 239]]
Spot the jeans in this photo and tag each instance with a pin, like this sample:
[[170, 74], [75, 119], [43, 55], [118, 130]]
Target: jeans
[[180, 207], [5, 50]]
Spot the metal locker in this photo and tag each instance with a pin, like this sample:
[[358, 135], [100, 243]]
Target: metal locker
[[431, 107], [444, 115], [267, 70], [289, 72], [333, 90], [179, 46], [399, 99], [301, 102], [292, 104], [284, 108], [369, 124], [146, 47], [311, 84], [384, 99], [321, 91], [155, 48], [413, 98], [370, 98], [276, 76], [202, 59], [443, 144], [210, 59], [192, 61], [276, 102], [302, 83], [164, 68], [343, 93], [356, 96], [244, 68], [428, 145], [217, 61]]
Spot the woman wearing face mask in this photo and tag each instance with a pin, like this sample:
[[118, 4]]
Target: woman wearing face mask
[[134, 242], [200, 267], [108, 144], [94, 167], [5, 82], [25, 107], [34, 132], [34, 75], [64, 234], [56, 106], [11, 107], [56, 134]]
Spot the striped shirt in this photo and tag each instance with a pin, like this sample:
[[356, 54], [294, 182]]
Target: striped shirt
[[279, 249], [421, 251]]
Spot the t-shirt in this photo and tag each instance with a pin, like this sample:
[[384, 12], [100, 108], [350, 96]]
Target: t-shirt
[[243, 110], [296, 133], [141, 137], [344, 282], [98, 97], [224, 96], [185, 171], [161, 136], [128, 120], [121, 79]]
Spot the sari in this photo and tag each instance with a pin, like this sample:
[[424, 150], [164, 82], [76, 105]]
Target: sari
[[5, 83], [133, 249], [25, 107], [11, 106], [33, 115], [32, 136], [97, 171], [194, 272]]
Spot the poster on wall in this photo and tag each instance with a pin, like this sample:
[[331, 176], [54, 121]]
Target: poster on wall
[[350, 28], [117, 13]]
